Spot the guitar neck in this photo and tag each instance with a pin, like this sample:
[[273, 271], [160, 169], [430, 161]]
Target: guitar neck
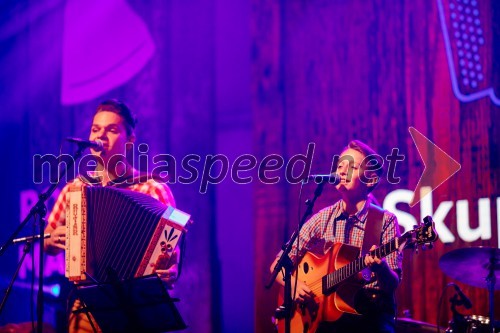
[[330, 281]]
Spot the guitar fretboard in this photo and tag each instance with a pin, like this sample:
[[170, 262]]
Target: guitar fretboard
[[330, 281]]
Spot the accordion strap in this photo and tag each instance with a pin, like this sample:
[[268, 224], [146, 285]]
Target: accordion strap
[[125, 181], [122, 182]]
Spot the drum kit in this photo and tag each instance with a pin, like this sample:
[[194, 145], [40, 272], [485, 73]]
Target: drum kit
[[474, 266], [477, 267]]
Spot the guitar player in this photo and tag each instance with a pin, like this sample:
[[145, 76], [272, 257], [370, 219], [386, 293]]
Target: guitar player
[[350, 222]]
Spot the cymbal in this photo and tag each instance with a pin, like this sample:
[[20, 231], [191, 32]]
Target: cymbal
[[472, 265], [407, 325]]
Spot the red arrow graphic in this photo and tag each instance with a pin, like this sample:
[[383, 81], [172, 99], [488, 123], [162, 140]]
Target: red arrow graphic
[[439, 166]]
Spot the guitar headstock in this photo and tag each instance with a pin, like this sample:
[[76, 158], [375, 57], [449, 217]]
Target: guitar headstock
[[421, 235]]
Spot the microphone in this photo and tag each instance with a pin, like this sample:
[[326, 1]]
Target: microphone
[[29, 238], [332, 178], [97, 145], [465, 300]]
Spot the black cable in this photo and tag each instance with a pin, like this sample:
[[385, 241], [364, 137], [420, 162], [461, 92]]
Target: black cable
[[181, 258], [70, 299], [440, 304], [298, 239], [32, 310]]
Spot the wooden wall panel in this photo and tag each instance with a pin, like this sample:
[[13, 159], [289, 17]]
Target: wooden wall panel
[[369, 70]]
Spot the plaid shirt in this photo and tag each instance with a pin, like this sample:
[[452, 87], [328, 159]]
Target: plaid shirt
[[159, 191], [331, 225]]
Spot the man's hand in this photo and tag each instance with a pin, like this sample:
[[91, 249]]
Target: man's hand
[[57, 239], [374, 263], [303, 293], [387, 278], [168, 276], [171, 273]]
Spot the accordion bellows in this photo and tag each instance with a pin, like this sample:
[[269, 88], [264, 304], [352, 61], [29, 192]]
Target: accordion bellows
[[114, 233]]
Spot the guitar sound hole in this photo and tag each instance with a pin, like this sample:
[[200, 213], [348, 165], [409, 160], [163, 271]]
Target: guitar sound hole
[[306, 267]]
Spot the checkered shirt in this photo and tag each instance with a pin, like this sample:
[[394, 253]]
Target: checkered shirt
[[331, 225], [159, 191]]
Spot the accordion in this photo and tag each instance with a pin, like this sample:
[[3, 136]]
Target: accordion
[[114, 233]]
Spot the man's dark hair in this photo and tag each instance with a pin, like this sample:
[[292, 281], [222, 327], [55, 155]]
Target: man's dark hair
[[118, 107]]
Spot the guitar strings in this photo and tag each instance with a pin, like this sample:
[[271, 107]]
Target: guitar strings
[[317, 285]]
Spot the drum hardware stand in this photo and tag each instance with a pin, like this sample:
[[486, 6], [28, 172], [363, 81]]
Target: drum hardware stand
[[490, 282], [284, 262], [458, 320], [139, 304], [38, 211]]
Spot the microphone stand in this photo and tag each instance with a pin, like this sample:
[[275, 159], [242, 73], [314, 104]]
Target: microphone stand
[[285, 263], [26, 250], [39, 210], [490, 282]]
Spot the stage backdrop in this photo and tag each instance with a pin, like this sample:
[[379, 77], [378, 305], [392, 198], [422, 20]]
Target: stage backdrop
[[59, 59], [332, 71], [215, 78]]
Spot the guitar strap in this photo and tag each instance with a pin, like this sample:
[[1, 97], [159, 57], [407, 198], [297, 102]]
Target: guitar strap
[[373, 236], [373, 232], [373, 228]]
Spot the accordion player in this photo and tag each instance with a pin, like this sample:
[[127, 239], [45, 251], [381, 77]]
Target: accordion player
[[113, 233]]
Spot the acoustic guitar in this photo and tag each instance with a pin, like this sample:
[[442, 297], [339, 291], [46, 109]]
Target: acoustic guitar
[[335, 278]]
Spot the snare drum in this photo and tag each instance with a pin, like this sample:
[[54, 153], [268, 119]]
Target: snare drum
[[478, 324], [407, 325], [472, 324]]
